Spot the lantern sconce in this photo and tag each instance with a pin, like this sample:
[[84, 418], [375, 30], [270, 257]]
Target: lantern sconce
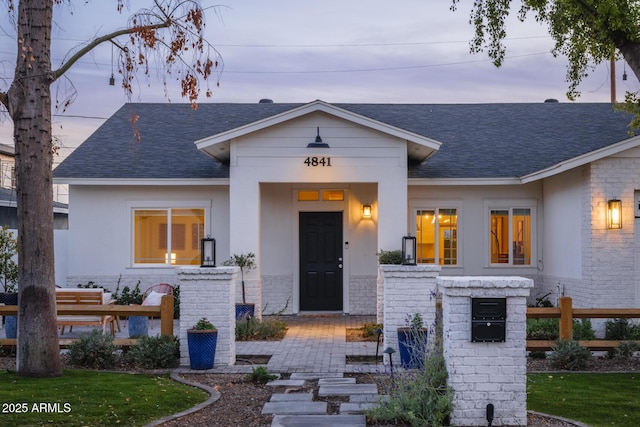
[[614, 214], [366, 211], [409, 250], [208, 252]]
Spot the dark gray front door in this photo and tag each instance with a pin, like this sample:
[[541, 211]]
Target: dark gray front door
[[320, 261]]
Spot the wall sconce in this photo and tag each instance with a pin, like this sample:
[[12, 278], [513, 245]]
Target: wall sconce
[[614, 214], [366, 211], [409, 250], [208, 252]]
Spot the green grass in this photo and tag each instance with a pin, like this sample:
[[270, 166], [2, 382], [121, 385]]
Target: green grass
[[90, 398], [596, 399]]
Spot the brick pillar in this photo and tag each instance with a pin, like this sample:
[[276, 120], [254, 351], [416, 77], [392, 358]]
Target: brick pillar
[[407, 289], [210, 293], [483, 373]]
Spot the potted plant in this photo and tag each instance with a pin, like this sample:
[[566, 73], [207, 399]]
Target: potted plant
[[201, 340], [246, 262], [8, 277], [412, 342]]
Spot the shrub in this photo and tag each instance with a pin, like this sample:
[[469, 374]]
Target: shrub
[[390, 257], [418, 398], [128, 296], [253, 329], [94, 350], [582, 330], [155, 352], [621, 330], [624, 350], [261, 375], [176, 302], [570, 355], [369, 329], [543, 329]]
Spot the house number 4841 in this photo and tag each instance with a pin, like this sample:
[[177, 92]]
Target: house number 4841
[[318, 161]]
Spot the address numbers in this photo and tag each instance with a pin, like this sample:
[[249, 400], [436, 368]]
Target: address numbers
[[318, 161]]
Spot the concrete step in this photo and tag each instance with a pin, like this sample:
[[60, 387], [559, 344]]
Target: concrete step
[[319, 421], [286, 383], [291, 397], [355, 408], [315, 376], [335, 381], [295, 408], [347, 389]]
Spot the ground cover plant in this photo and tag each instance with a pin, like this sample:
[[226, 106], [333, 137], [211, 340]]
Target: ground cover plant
[[90, 398], [597, 399], [267, 329]]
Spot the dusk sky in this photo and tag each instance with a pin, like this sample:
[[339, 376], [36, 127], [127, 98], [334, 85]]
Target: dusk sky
[[409, 51]]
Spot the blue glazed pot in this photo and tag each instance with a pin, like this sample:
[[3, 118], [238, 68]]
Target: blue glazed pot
[[244, 310], [202, 348], [11, 326], [138, 326], [412, 344]]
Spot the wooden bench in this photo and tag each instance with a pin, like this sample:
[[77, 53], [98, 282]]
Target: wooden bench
[[82, 297]]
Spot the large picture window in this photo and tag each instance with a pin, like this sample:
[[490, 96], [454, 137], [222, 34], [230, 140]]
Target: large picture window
[[167, 236], [510, 236], [437, 236]]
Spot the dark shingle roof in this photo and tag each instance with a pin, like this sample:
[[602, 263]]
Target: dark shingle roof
[[478, 140]]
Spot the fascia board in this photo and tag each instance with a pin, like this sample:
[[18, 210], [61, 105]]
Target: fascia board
[[463, 181], [146, 181]]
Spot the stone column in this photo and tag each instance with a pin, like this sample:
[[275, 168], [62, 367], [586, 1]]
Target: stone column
[[210, 293], [407, 289], [483, 373]]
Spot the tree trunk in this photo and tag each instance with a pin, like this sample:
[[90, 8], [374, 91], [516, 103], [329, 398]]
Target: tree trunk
[[29, 99]]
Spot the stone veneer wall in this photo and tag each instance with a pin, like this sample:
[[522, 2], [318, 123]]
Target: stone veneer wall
[[210, 293], [408, 289], [277, 294], [485, 373], [362, 295]]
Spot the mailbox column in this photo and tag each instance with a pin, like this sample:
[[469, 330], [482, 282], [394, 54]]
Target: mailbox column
[[484, 342]]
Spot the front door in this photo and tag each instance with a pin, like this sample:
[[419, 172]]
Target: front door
[[320, 261]]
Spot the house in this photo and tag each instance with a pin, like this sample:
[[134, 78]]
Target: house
[[316, 190]]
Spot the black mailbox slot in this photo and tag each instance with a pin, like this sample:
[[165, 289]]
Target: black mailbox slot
[[488, 319]]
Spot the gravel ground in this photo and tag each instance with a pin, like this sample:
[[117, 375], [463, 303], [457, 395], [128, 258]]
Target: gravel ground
[[241, 401]]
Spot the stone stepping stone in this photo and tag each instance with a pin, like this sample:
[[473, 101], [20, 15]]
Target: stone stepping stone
[[286, 383], [316, 376], [319, 421], [335, 381], [362, 398], [347, 389], [355, 408], [291, 397], [295, 408]]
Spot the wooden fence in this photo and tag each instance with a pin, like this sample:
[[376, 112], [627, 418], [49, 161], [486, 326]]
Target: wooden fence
[[164, 311], [566, 313]]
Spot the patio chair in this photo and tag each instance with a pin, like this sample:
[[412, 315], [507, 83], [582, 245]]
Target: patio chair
[[153, 295]]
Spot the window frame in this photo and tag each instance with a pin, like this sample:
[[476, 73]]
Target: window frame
[[168, 207], [436, 206], [510, 206]]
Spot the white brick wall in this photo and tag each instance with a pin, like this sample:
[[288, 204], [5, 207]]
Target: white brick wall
[[110, 282], [407, 290], [210, 293], [276, 290], [483, 373]]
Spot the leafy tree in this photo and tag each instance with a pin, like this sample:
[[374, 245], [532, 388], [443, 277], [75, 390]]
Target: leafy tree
[[171, 31], [587, 32], [8, 267]]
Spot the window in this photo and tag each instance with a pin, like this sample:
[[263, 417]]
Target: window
[[437, 236], [168, 236], [510, 236]]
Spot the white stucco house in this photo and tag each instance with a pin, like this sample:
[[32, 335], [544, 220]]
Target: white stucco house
[[315, 190]]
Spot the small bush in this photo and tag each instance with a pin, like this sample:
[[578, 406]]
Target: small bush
[[155, 352], [569, 355], [583, 330], [94, 350], [538, 354], [543, 329], [625, 350], [418, 398], [621, 330], [253, 329], [369, 329], [261, 375], [390, 257], [128, 296]]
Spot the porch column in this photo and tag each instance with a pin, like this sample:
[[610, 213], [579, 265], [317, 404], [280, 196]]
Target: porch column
[[244, 231]]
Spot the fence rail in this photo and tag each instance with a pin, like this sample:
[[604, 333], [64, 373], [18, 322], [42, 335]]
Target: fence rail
[[566, 313], [164, 311]]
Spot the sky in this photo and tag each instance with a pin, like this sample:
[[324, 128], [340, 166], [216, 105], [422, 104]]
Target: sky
[[360, 51]]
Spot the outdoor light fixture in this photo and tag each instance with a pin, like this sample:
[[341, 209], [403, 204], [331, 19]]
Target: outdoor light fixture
[[318, 142], [409, 250], [614, 214], [389, 351], [208, 252], [366, 211]]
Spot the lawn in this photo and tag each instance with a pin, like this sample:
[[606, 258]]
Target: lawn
[[89, 398], [603, 399]]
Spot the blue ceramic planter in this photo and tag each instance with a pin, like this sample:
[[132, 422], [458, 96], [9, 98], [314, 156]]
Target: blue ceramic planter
[[11, 326], [202, 348], [412, 344], [138, 326]]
